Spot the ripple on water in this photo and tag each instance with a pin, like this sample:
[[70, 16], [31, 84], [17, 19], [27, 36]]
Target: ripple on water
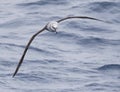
[[101, 7], [10, 45], [110, 69], [55, 65], [96, 41], [45, 2]]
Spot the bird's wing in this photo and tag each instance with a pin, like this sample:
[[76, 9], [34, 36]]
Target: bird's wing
[[80, 17], [26, 48]]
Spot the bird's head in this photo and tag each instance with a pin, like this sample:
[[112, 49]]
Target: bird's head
[[52, 26]]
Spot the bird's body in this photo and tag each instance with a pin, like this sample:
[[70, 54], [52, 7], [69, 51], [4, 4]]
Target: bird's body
[[51, 26]]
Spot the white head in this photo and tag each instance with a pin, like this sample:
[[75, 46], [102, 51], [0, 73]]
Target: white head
[[52, 26]]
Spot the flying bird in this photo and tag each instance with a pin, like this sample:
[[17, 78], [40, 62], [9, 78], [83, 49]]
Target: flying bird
[[52, 27]]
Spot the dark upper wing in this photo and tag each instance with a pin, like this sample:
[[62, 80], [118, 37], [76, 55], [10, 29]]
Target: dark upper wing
[[81, 17], [26, 48]]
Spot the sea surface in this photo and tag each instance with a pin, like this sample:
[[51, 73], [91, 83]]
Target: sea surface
[[84, 56]]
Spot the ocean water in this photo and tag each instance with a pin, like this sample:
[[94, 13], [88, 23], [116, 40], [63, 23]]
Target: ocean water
[[84, 56]]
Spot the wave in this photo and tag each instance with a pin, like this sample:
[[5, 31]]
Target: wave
[[110, 67], [45, 2], [88, 40], [13, 23], [112, 70], [104, 6], [83, 27], [99, 41], [6, 63], [9, 45], [33, 77]]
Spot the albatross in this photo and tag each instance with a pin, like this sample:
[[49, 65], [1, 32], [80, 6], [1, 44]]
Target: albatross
[[51, 26]]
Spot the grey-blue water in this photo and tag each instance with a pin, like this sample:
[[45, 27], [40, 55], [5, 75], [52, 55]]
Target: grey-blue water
[[83, 57]]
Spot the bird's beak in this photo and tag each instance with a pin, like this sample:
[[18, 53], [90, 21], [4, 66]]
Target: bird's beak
[[55, 30]]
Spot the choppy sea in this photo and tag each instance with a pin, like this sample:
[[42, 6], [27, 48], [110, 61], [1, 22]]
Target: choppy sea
[[84, 56]]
